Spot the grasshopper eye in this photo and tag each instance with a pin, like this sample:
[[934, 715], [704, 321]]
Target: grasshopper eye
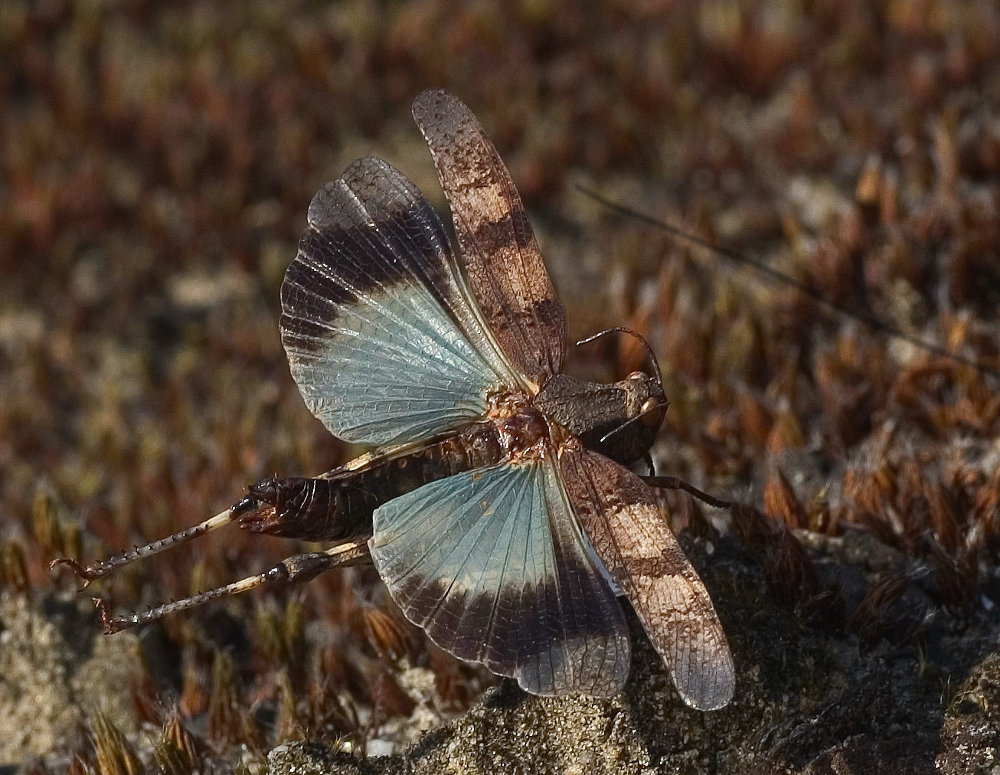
[[651, 413]]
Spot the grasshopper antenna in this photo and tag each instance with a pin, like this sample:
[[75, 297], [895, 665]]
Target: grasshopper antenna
[[633, 333], [293, 570], [867, 319], [665, 482], [656, 366]]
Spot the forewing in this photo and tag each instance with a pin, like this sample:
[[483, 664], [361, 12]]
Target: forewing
[[620, 516], [381, 337], [491, 564], [502, 260]]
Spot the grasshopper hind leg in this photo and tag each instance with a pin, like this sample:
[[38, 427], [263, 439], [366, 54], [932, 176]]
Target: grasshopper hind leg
[[312, 509], [99, 570], [297, 569], [292, 507]]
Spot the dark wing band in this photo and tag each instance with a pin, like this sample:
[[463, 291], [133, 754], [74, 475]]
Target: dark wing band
[[382, 340], [492, 565]]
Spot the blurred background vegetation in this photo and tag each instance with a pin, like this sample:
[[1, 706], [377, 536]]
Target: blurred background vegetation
[[156, 163]]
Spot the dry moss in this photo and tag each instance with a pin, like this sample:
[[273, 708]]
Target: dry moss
[[157, 164]]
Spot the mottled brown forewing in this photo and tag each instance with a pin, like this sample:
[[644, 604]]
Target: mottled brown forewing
[[502, 260], [619, 514]]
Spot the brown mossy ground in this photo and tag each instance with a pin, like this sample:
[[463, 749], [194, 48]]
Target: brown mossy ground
[[157, 162]]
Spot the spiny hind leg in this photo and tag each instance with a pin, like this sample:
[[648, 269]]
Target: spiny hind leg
[[101, 569], [293, 507], [297, 569]]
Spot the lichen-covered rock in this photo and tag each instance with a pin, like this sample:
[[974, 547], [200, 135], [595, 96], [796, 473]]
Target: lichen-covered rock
[[807, 701], [56, 673]]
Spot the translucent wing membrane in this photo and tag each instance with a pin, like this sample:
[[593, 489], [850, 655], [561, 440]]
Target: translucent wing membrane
[[491, 564], [502, 259], [620, 516], [381, 337]]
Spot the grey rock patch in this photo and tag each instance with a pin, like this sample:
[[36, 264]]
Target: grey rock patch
[[55, 671]]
